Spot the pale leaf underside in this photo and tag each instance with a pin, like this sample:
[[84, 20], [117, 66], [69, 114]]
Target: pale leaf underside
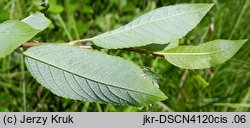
[[159, 26], [13, 33], [81, 74]]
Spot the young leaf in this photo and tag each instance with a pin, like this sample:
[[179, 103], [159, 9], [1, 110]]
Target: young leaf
[[81, 74], [13, 33], [159, 26], [204, 55]]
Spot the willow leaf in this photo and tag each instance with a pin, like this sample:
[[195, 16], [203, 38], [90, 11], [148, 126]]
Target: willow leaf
[[204, 55], [159, 26], [81, 74], [13, 33]]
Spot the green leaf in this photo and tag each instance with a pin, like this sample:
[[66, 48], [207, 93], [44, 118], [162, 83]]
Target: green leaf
[[81, 74], [204, 55], [37, 21], [159, 26], [13, 33]]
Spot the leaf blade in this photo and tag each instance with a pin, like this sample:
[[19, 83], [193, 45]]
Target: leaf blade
[[37, 21], [204, 55], [158, 26], [104, 79], [13, 33]]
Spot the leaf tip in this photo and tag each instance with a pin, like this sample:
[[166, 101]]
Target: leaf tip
[[162, 96], [206, 6], [209, 5], [243, 41], [37, 21], [165, 97]]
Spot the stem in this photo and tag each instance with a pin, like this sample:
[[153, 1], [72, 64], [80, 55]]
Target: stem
[[143, 51], [31, 44], [76, 42]]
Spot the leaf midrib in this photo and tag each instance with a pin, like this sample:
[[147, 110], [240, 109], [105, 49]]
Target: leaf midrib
[[88, 78], [199, 53], [111, 34]]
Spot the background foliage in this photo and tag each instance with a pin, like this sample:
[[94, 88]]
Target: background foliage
[[229, 88]]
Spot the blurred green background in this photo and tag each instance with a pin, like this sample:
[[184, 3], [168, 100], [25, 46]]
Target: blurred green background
[[229, 88]]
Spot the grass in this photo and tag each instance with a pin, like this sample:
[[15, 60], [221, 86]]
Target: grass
[[229, 84]]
